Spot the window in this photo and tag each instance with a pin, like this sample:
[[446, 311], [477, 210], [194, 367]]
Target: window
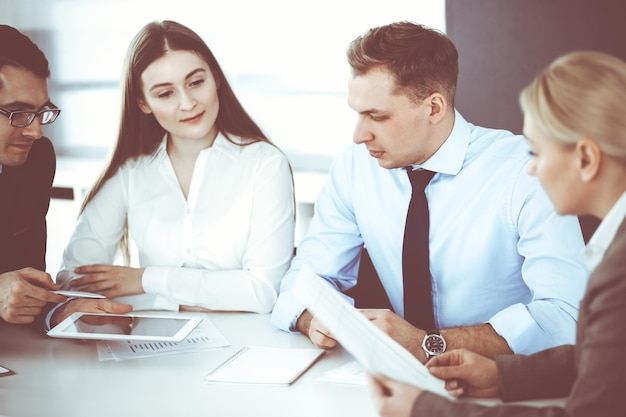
[[284, 59]]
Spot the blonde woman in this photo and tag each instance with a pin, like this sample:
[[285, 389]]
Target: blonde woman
[[575, 123]]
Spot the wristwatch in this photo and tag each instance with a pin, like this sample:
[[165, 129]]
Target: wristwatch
[[433, 344]]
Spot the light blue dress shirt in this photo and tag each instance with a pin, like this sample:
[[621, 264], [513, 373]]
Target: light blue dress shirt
[[499, 254]]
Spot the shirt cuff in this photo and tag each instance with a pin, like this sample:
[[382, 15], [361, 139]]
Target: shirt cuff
[[519, 328], [154, 280], [289, 308], [47, 325], [286, 312]]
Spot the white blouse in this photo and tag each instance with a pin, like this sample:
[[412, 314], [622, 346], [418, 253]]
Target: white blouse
[[225, 247], [605, 233]]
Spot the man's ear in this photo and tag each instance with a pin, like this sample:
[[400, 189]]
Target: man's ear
[[438, 107], [143, 106], [589, 158]]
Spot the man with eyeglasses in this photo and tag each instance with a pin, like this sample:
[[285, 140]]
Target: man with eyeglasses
[[27, 168]]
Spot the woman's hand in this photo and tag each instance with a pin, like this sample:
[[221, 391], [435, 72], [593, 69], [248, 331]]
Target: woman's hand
[[466, 373], [109, 280]]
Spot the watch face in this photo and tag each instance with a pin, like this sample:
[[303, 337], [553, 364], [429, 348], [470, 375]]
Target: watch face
[[434, 344]]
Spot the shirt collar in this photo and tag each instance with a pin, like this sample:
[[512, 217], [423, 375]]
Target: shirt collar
[[220, 144], [604, 234], [225, 146], [450, 156], [0, 168]]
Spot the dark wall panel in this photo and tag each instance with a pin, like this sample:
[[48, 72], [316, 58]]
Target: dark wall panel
[[504, 43]]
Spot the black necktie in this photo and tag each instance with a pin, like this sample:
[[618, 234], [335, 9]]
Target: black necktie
[[418, 302]]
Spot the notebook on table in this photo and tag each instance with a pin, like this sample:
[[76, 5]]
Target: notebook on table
[[265, 365]]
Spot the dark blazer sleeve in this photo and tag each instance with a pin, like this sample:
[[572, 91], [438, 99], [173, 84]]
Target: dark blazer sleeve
[[42, 179], [601, 338], [546, 374], [433, 405], [26, 189]]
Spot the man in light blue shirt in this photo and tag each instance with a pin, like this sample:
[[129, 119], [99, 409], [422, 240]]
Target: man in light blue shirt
[[507, 272]]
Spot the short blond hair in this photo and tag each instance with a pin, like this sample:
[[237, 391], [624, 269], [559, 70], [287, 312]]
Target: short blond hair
[[581, 94]]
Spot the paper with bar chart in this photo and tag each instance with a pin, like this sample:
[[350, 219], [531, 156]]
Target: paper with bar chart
[[204, 336]]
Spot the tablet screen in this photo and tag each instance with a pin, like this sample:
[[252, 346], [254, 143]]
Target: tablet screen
[[125, 327]]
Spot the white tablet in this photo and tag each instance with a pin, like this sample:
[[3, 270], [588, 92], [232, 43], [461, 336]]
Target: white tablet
[[78, 294], [132, 326]]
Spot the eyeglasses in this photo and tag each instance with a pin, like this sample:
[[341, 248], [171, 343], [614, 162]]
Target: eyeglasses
[[24, 118]]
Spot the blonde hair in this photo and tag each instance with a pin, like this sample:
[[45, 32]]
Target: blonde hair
[[581, 95]]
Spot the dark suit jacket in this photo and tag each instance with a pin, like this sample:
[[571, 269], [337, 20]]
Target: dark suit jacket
[[591, 374], [24, 201]]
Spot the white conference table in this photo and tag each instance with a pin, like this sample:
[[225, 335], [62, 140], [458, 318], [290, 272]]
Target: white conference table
[[65, 378]]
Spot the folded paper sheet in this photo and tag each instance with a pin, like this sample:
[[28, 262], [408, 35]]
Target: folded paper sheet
[[371, 347]]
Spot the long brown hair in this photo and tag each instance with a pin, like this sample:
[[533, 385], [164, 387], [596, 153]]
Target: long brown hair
[[140, 133]]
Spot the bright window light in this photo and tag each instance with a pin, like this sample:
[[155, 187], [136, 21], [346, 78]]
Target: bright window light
[[284, 59]]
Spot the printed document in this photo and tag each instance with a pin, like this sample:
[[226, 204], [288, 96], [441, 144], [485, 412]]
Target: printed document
[[204, 336], [371, 347]]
